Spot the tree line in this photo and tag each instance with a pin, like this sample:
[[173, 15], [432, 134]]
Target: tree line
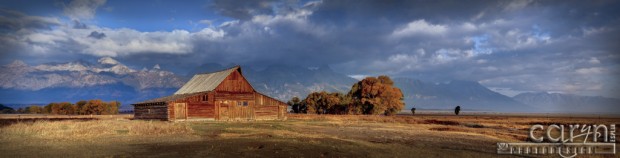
[[370, 96], [90, 107], [6, 109]]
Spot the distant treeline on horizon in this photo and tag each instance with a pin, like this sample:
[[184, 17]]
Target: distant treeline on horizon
[[90, 107]]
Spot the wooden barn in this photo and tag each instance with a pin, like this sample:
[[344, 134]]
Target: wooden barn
[[221, 95]]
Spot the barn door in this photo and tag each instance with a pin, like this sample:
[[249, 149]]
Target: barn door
[[241, 110], [223, 111], [180, 111]]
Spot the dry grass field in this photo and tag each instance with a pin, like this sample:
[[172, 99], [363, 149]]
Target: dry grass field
[[424, 135]]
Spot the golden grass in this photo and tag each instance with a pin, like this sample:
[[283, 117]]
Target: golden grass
[[72, 129], [299, 136], [49, 116], [510, 128]]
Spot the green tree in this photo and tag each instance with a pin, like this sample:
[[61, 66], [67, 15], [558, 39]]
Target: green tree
[[376, 96], [325, 103], [312, 102], [6, 109], [343, 105], [295, 104]]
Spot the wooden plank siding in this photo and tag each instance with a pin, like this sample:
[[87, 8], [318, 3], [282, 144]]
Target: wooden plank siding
[[196, 107], [240, 112], [235, 82], [232, 99], [201, 111], [269, 108], [235, 105], [180, 110], [158, 112], [222, 106]]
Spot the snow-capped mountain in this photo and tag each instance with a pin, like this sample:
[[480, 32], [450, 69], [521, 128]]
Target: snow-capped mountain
[[109, 79], [113, 66], [284, 82], [72, 66], [19, 75], [108, 61], [71, 81]]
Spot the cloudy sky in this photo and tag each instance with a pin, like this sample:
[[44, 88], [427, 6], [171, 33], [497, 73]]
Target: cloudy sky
[[509, 46]]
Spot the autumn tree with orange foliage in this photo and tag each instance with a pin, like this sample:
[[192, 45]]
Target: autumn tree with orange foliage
[[369, 96], [91, 107], [376, 96]]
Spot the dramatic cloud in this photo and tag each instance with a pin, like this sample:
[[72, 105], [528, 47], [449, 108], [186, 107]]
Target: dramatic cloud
[[82, 9], [515, 46], [11, 21], [419, 27], [243, 10]]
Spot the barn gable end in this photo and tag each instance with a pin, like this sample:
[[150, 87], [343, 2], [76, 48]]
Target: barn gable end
[[235, 82]]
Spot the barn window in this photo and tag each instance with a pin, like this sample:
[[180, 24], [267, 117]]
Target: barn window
[[205, 98], [238, 103], [245, 103]]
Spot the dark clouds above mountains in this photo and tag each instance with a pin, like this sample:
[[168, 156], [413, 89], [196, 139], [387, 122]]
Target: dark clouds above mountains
[[557, 46]]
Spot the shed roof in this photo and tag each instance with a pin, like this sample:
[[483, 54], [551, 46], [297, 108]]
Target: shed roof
[[205, 82], [167, 98]]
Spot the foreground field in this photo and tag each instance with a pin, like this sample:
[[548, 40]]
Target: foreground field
[[299, 136]]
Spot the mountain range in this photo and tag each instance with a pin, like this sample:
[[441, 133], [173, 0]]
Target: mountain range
[[569, 103], [284, 82], [467, 94], [108, 79]]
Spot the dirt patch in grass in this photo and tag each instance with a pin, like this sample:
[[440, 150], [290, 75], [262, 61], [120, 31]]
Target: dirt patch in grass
[[439, 122], [473, 125]]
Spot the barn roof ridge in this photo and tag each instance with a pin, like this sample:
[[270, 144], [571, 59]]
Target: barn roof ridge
[[206, 81], [233, 67]]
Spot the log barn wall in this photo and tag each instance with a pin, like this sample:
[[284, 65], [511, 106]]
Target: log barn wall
[[196, 106], [159, 112], [268, 108]]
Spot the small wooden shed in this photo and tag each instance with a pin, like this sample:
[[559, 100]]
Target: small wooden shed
[[221, 95]]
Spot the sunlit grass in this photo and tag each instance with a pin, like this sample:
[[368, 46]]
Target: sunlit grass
[[74, 129]]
